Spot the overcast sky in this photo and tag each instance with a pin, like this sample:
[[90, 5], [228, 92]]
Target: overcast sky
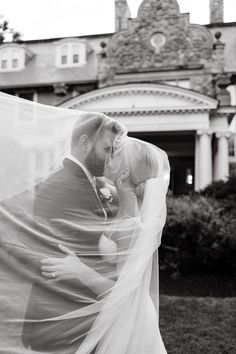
[[37, 19]]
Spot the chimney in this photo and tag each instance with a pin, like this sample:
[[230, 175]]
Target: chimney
[[216, 11], [122, 15]]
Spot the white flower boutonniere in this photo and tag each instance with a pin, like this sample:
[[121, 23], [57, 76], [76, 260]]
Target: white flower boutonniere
[[106, 195]]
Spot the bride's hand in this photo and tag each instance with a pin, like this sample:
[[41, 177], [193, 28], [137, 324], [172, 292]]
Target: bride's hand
[[64, 268]]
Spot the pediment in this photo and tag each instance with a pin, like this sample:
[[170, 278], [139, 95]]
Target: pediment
[[133, 98]]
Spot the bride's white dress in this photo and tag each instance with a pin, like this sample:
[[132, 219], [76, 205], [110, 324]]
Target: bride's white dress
[[153, 343], [143, 330]]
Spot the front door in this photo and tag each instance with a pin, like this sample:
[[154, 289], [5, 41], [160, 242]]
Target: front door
[[182, 174], [180, 147]]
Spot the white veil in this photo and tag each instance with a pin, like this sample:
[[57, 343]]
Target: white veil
[[120, 326], [68, 317]]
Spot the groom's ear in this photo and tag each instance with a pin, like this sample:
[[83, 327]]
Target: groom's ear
[[84, 143]]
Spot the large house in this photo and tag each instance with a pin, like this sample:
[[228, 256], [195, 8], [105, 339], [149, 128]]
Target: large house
[[170, 82]]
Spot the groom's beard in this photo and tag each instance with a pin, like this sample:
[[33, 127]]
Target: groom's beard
[[94, 164]]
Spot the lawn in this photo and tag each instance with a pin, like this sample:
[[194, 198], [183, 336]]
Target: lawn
[[189, 325], [198, 325]]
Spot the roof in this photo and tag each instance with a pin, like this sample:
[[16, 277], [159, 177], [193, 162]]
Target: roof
[[41, 69]]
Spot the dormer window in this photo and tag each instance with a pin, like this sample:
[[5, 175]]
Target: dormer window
[[71, 53], [12, 58]]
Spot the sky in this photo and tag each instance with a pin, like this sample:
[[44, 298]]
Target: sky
[[38, 19]]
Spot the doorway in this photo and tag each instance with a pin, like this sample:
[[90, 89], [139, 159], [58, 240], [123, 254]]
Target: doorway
[[180, 148]]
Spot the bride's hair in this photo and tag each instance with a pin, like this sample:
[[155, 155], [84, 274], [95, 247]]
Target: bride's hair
[[142, 162]]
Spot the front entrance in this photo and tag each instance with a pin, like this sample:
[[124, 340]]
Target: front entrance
[[167, 116], [180, 147]]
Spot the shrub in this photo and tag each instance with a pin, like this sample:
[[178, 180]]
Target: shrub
[[224, 192], [232, 169], [199, 236]]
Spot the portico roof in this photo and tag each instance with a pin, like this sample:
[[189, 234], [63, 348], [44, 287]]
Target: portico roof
[[149, 106], [138, 97]]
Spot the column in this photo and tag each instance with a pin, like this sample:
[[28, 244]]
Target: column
[[221, 159], [196, 163], [204, 158]]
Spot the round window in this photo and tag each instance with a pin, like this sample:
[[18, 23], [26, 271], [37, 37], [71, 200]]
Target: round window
[[157, 41]]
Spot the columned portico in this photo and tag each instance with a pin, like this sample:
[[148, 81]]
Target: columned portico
[[162, 112]]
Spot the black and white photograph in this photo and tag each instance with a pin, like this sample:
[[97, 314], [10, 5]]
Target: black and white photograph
[[118, 177]]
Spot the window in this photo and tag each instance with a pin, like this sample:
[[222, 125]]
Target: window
[[75, 58], [4, 64], [64, 54], [15, 58], [64, 59], [71, 54], [12, 59], [15, 63], [76, 50]]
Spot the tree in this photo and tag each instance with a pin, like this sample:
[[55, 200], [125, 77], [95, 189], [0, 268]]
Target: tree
[[8, 34]]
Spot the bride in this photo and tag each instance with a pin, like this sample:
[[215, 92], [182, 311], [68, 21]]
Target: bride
[[133, 168], [119, 314]]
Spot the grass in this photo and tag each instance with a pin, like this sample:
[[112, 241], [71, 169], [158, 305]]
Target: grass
[[189, 325], [199, 285], [197, 315], [198, 325]]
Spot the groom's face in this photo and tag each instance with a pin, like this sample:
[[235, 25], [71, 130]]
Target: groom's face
[[99, 152]]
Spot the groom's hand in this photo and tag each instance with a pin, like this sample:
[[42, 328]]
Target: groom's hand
[[64, 268]]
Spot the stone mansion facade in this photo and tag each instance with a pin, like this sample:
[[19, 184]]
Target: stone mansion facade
[[170, 82]]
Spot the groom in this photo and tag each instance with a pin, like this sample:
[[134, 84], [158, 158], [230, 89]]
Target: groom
[[65, 200]]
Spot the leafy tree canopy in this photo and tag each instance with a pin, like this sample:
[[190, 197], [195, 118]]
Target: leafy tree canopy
[[8, 34]]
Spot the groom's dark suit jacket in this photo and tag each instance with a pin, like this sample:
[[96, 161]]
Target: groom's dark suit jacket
[[66, 195]]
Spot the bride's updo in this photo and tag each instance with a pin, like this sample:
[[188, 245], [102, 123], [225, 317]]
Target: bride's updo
[[141, 159]]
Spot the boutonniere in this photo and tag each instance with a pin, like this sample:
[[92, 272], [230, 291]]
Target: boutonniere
[[105, 194]]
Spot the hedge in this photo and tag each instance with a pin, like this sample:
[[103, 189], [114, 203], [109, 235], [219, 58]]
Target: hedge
[[200, 232]]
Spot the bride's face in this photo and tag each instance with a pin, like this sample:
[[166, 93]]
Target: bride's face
[[113, 165]]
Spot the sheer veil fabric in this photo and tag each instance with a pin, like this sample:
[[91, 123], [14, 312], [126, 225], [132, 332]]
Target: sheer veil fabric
[[47, 200]]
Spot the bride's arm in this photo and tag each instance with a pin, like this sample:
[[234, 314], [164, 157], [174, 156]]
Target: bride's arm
[[72, 268], [95, 281]]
